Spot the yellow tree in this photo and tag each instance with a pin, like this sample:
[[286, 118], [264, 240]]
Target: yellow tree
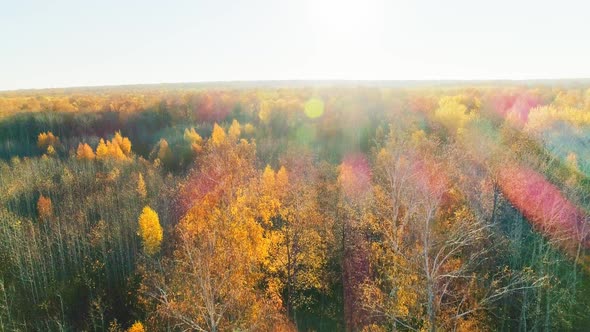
[[214, 277], [194, 139], [453, 114], [102, 151], [164, 153], [123, 142], [47, 139], [234, 129], [298, 234], [119, 148], [136, 327], [249, 129], [84, 152], [50, 151], [218, 136], [150, 231], [115, 151]]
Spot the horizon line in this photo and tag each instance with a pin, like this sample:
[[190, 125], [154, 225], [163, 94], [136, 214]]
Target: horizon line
[[312, 83]]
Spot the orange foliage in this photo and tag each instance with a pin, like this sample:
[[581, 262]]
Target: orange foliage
[[84, 152], [44, 207]]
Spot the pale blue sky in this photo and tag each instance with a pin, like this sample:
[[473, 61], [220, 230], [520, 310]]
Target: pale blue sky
[[79, 43]]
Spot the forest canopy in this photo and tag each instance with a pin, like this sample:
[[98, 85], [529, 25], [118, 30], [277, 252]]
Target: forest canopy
[[311, 207]]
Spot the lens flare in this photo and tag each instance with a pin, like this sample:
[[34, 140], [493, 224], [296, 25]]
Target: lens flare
[[314, 108], [544, 205]]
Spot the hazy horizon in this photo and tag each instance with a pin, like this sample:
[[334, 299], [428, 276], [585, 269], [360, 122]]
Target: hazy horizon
[[303, 83]]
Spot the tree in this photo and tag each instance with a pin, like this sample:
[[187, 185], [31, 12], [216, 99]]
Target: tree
[[354, 176], [119, 148], [249, 129], [218, 135], [298, 235], [234, 129], [84, 152], [429, 246], [102, 151], [453, 114], [136, 327], [44, 207], [123, 142], [50, 151], [150, 231], [164, 153], [214, 277], [47, 139], [141, 186], [194, 139]]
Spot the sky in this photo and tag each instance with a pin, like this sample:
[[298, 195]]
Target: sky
[[47, 44]]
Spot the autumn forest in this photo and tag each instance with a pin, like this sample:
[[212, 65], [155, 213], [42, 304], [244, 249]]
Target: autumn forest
[[296, 207]]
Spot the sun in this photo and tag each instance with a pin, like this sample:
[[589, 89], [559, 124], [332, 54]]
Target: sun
[[346, 32]]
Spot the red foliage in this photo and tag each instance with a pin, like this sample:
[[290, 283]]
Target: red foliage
[[355, 175], [210, 107], [422, 104], [355, 272], [518, 104]]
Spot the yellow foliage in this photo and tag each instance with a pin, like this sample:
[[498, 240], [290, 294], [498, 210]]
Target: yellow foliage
[[164, 150], [123, 142], [102, 151], [572, 98], [268, 179], [150, 231], [234, 129], [223, 245], [136, 327], [47, 139], [141, 186], [119, 148], [265, 112], [194, 139], [418, 136], [218, 135], [115, 151], [469, 325], [249, 129], [542, 117], [228, 247], [282, 178], [452, 113], [51, 150], [84, 152], [374, 328], [191, 136], [298, 237]]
